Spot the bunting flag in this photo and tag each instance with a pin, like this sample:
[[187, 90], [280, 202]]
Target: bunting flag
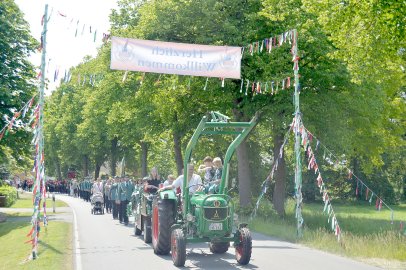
[[312, 165], [270, 177], [360, 185], [87, 79], [267, 44], [271, 87], [13, 122], [81, 28], [39, 190]]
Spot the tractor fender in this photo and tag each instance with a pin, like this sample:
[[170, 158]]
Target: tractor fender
[[176, 226]]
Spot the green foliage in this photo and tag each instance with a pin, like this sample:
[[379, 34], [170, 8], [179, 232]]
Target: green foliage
[[10, 193], [16, 81], [356, 118]]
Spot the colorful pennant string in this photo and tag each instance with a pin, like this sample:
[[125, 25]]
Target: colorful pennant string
[[360, 185], [13, 122], [267, 44], [270, 177], [312, 165]]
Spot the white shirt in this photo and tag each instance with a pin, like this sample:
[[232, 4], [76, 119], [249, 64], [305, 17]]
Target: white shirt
[[97, 187], [166, 183], [193, 183]]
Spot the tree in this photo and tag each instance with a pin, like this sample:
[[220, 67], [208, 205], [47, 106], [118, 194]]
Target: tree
[[16, 80]]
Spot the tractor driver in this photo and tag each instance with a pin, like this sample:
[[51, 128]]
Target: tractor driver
[[152, 182], [194, 181]]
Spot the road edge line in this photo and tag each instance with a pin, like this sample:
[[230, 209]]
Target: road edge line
[[78, 260]]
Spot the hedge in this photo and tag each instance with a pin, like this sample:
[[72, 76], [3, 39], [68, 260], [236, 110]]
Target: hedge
[[10, 193]]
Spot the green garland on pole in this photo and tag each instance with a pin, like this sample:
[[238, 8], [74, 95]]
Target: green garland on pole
[[298, 166], [39, 188]]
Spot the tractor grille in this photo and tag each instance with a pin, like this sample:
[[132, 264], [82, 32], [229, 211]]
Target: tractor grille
[[217, 213]]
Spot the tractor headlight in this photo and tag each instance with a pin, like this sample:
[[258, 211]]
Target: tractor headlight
[[190, 218]]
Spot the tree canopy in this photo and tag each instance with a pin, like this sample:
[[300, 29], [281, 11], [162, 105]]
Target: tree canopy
[[16, 83], [148, 118]]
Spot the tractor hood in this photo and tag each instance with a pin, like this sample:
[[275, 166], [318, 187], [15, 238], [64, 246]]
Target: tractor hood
[[213, 200]]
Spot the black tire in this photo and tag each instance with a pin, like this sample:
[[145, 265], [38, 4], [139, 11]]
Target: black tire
[[219, 247], [137, 231], [178, 247], [163, 217], [244, 248], [147, 230]]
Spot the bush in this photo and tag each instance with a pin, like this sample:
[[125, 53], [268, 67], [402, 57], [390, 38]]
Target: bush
[[10, 193]]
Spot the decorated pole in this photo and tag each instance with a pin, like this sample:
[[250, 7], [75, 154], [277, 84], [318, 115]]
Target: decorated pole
[[298, 163], [39, 191]]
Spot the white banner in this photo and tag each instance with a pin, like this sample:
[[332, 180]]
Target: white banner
[[175, 58]]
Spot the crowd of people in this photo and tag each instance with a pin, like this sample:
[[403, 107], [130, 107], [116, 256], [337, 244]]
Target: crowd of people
[[117, 192], [60, 186]]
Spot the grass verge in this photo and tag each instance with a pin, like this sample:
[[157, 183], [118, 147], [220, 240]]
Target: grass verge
[[366, 233], [29, 214], [25, 201], [54, 249]]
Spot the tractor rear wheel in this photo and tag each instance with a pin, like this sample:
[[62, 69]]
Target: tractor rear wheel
[[219, 247], [244, 248], [178, 247], [162, 220], [147, 230]]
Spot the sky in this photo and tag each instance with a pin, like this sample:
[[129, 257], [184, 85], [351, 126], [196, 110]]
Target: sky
[[64, 50]]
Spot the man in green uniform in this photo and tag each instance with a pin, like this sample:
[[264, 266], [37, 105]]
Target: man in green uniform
[[114, 198], [88, 187], [129, 189], [122, 196]]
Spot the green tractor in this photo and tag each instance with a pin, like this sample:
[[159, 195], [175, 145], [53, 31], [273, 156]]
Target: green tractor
[[203, 217]]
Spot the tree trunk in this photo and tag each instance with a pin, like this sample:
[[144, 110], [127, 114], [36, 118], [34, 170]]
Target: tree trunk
[[144, 159], [97, 170], [113, 157], [177, 145], [58, 168], [278, 198], [244, 174], [85, 165]]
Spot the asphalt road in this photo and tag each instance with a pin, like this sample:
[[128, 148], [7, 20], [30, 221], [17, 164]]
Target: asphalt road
[[104, 243]]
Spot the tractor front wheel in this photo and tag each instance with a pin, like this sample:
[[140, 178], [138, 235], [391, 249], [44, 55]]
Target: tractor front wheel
[[219, 247], [147, 230], [178, 247], [162, 220], [244, 248]]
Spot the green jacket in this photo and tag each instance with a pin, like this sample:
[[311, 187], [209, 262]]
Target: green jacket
[[129, 190], [113, 191], [122, 191], [88, 185]]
